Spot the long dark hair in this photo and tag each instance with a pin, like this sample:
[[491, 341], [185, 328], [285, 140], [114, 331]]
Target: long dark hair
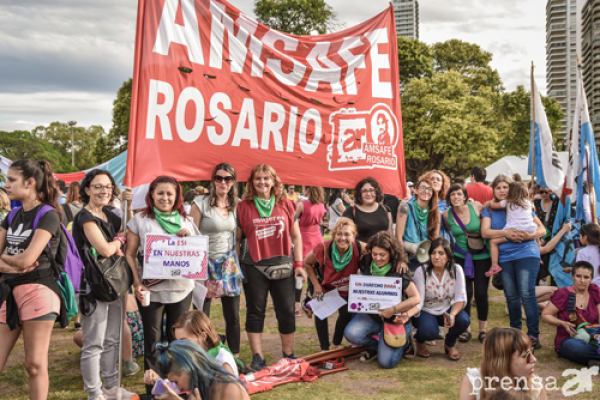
[[445, 244], [87, 181], [232, 195], [178, 206], [335, 194], [41, 172]]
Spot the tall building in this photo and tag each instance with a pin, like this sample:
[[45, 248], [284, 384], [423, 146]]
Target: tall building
[[590, 60], [563, 43], [407, 18]]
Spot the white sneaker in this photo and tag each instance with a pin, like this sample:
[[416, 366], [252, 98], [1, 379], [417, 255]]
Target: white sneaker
[[111, 394]]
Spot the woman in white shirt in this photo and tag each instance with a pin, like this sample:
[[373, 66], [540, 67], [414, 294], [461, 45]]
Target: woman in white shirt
[[507, 363], [590, 238], [442, 289], [336, 207]]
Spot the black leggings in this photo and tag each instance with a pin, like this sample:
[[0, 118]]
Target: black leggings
[[481, 284], [152, 318], [257, 290], [341, 323], [231, 314]]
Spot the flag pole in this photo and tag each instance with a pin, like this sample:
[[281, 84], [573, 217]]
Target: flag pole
[[532, 128], [591, 193]]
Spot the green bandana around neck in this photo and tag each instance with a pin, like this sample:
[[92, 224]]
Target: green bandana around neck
[[422, 214], [170, 222], [340, 262], [264, 207], [376, 271], [214, 352]]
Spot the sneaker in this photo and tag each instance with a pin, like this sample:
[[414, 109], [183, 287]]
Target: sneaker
[[535, 342], [77, 326], [100, 397], [290, 356], [130, 368], [257, 363], [111, 394], [441, 335], [297, 313]]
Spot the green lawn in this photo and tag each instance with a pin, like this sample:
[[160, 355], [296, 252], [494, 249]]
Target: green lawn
[[433, 378]]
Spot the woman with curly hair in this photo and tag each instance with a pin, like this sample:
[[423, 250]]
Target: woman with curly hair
[[384, 251], [266, 219]]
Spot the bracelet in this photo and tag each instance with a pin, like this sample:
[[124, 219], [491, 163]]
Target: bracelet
[[298, 264], [396, 311]]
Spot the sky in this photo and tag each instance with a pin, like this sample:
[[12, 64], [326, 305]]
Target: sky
[[65, 60]]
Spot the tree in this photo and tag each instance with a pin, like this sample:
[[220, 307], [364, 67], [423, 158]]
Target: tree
[[446, 127], [415, 59], [469, 60], [23, 144], [119, 133], [297, 17]]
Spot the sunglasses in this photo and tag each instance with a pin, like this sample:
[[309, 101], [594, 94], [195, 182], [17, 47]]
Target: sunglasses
[[544, 192], [527, 355], [221, 179]]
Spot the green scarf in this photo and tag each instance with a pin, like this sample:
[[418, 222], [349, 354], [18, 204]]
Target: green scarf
[[264, 207], [170, 222], [340, 262], [422, 214], [376, 271], [215, 351]]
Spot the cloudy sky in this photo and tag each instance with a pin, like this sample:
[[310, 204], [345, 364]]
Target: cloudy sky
[[65, 60]]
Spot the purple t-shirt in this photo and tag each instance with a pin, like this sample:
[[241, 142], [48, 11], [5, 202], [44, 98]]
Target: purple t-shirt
[[560, 299]]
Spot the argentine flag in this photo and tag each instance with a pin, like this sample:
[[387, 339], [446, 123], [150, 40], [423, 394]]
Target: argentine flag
[[548, 171]]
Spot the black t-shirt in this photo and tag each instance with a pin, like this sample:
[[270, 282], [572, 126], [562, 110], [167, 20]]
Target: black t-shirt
[[368, 224], [110, 228], [20, 233], [391, 202]]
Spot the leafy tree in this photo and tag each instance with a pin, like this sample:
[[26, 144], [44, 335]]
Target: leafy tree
[[119, 133], [415, 59], [469, 60], [446, 127], [297, 17], [23, 144]]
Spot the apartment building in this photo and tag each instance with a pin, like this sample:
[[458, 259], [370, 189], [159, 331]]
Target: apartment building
[[590, 60], [407, 18]]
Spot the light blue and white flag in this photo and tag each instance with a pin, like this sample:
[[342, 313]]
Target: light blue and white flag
[[548, 170]]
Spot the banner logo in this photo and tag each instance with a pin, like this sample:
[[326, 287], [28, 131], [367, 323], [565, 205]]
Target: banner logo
[[363, 139]]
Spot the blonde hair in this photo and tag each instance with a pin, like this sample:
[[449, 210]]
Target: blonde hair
[[498, 349], [316, 194], [512, 394], [518, 195], [4, 201], [276, 189], [340, 224], [197, 323]]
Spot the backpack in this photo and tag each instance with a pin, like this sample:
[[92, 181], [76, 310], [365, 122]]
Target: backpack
[[66, 263]]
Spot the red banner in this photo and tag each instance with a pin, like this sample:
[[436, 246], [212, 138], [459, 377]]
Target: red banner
[[212, 85]]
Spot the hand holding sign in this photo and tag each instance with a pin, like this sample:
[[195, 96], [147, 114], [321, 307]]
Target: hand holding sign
[[174, 257]]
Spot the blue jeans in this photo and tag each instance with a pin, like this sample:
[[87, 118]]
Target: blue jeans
[[427, 326], [519, 278], [578, 351], [360, 331]]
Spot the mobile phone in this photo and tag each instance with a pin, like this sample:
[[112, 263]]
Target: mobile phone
[[572, 328], [446, 318], [159, 389]]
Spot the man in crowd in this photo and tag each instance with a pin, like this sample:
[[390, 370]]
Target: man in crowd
[[61, 188], [478, 190]]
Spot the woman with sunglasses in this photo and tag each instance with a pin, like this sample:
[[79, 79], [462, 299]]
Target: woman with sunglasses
[[507, 363], [214, 214], [419, 219], [164, 215], [368, 212], [583, 300]]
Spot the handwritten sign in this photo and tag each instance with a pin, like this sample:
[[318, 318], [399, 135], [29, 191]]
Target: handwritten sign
[[368, 294], [173, 257]]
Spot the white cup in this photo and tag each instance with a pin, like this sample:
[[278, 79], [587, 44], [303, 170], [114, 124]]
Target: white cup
[[146, 301], [299, 282]]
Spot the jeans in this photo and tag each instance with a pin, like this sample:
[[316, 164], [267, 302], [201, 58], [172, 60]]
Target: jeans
[[100, 351], [360, 331], [231, 314], [427, 326], [152, 318], [578, 351], [480, 283], [519, 279], [341, 323]]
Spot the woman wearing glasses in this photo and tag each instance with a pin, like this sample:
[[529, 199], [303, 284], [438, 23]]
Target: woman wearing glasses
[[441, 184], [214, 215], [164, 215], [98, 226], [419, 219], [508, 363], [368, 213]]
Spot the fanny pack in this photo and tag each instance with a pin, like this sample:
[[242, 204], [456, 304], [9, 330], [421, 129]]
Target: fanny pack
[[475, 242], [277, 272]]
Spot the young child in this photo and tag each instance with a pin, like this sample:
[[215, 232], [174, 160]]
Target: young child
[[195, 326], [519, 216]]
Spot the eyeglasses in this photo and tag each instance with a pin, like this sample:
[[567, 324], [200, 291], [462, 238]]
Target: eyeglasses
[[100, 188], [368, 190], [220, 179], [544, 192], [426, 189]]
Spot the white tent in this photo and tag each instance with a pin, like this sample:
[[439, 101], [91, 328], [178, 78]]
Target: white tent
[[511, 165]]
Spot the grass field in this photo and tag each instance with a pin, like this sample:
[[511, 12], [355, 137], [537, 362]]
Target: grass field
[[433, 378]]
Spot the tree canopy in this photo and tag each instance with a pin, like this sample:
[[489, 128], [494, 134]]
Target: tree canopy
[[297, 17]]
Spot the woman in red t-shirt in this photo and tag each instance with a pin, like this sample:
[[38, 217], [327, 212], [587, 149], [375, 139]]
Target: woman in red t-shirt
[[266, 222], [334, 267]]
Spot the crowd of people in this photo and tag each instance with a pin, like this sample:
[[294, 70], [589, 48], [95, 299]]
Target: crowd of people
[[445, 241]]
